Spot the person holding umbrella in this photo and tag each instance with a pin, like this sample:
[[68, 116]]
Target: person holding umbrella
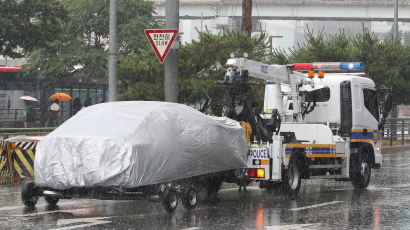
[[28, 114], [55, 108], [28, 111]]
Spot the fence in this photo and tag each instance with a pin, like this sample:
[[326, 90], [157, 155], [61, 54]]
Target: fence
[[397, 129], [10, 132], [15, 118]]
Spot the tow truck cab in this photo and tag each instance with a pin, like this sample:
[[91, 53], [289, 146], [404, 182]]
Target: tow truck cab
[[347, 104], [314, 125]]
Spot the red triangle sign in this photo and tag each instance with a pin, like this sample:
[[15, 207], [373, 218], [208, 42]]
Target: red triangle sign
[[161, 41]]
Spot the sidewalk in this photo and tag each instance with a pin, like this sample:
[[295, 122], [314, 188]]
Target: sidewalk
[[395, 149]]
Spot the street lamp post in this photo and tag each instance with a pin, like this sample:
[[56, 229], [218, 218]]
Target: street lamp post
[[112, 59], [396, 23]]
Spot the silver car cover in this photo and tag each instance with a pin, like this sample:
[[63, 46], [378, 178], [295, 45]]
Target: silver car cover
[[137, 143]]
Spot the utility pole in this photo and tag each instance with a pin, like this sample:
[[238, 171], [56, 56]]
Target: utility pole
[[246, 17], [171, 62], [396, 22], [112, 61]]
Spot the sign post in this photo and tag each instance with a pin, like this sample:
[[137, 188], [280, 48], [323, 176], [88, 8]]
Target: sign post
[[161, 41]]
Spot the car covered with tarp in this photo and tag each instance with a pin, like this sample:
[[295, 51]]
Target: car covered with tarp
[[133, 146]]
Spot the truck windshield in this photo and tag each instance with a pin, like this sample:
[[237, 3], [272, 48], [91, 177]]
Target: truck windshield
[[319, 95]]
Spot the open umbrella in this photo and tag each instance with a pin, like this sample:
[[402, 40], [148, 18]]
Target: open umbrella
[[60, 97], [28, 98]]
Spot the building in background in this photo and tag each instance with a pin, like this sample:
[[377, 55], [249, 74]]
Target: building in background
[[285, 21]]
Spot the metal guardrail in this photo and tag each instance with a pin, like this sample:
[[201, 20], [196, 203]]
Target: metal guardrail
[[15, 118], [8, 132], [397, 129]]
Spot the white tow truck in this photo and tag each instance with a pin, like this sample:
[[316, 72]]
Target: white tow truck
[[314, 125]]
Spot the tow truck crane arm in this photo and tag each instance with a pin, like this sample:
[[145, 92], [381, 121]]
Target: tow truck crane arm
[[279, 74]]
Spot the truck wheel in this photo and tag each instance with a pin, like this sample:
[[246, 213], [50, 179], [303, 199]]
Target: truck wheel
[[189, 197], [292, 179], [51, 201], [28, 194], [169, 199], [360, 177]]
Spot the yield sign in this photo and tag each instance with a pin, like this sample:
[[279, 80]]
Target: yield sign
[[161, 41]]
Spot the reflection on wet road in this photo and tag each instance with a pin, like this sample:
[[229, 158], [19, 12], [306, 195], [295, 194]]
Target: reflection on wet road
[[321, 204]]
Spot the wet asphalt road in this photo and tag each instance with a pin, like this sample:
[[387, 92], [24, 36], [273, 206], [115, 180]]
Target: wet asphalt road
[[321, 204]]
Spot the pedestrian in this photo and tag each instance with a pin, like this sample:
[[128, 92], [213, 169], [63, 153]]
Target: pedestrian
[[76, 105], [53, 113], [87, 102], [28, 115]]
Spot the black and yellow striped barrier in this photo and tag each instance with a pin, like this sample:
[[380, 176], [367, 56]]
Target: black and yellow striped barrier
[[17, 161], [4, 163], [23, 159]]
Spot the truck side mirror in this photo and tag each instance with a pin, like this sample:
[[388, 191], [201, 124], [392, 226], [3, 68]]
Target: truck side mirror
[[388, 104]]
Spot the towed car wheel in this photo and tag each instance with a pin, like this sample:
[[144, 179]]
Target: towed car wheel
[[212, 191], [189, 197], [29, 195], [169, 199], [51, 201]]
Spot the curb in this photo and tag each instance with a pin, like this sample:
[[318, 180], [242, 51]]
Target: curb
[[395, 149]]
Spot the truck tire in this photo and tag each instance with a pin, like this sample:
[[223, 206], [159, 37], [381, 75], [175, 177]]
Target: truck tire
[[360, 172], [51, 201], [292, 179], [28, 194], [169, 199], [189, 197]]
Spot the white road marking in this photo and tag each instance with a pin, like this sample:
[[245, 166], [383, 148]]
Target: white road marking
[[8, 192], [193, 228], [86, 222], [9, 208], [401, 165], [294, 226], [74, 211], [315, 206], [402, 186]]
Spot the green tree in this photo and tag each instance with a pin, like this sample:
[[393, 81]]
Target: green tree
[[385, 62], [141, 76], [79, 49], [201, 63], [28, 25]]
